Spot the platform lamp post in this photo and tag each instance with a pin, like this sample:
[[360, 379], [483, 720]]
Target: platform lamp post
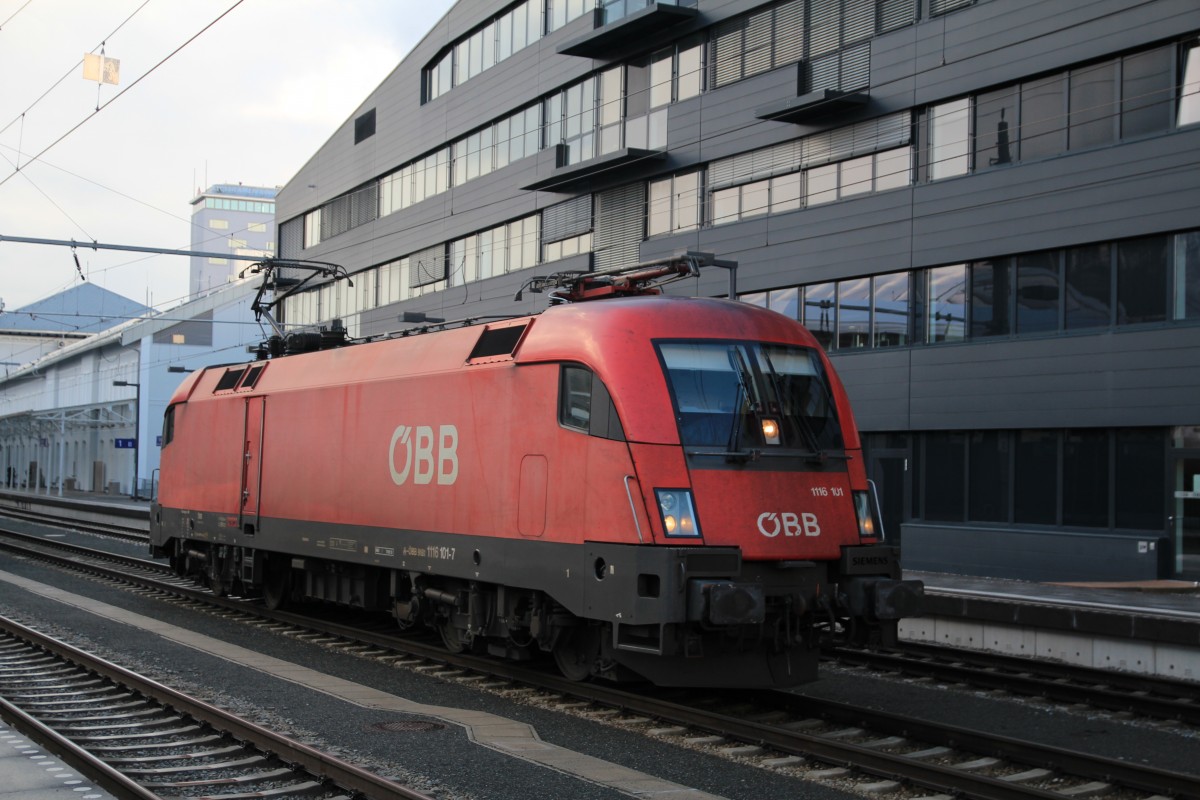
[[137, 414]]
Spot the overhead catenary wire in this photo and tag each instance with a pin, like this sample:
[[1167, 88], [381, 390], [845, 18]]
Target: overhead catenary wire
[[73, 67], [122, 93]]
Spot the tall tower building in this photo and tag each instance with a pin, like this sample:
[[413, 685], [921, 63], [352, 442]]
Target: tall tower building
[[229, 218]]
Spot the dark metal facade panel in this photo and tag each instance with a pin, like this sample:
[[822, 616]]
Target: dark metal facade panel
[[1133, 188], [1031, 555], [993, 43], [1131, 378]]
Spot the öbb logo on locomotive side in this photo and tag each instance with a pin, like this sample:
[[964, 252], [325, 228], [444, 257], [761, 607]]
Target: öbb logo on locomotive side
[[420, 460], [788, 523]]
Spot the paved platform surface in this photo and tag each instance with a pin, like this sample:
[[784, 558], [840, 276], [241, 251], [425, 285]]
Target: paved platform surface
[[30, 773]]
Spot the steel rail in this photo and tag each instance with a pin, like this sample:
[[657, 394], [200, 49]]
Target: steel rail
[[1071, 762], [72, 754], [341, 773], [1019, 676]]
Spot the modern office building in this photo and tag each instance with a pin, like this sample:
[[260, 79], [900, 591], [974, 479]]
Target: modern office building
[[988, 212], [229, 218]]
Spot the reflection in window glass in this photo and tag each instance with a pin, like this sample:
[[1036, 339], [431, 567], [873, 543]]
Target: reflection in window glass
[[990, 292], [946, 310], [948, 139], [856, 175], [1035, 477], [1089, 286], [891, 309], [945, 476], [1140, 474], [1037, 292], [1042, 117], [854, 313], [1146, 89], [575, 400], [821, 185], [786, 302], [1085, 478], [820, 312], [892, 169], [659, 217], [1142, 267], [754, 299], [660, 79], [987, 498], [785, 192], [687, 201], [725, 205], [1187, 275], [691, 72], [1093, 105], [1189, 92], [755, 198], [996, 128]]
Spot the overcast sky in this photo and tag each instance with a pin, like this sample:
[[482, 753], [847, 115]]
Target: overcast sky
[[250, 100]]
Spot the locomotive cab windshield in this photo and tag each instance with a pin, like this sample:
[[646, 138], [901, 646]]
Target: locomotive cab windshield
[[750, 399]]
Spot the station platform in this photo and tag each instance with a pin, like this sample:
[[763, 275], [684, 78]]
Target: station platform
[[1146, 627], [28, 772]]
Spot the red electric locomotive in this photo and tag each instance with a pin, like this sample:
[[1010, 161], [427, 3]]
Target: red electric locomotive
[[670, 487]]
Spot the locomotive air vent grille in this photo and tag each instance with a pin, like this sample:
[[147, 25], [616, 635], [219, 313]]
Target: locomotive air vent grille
[[495, 342], [229, 379], [252, 376]]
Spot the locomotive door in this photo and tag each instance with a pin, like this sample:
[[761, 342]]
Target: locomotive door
[[252, 449]]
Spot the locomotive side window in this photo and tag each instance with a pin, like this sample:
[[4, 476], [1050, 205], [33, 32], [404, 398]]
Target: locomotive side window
[[168, 426], [585, 405], [737, 395]]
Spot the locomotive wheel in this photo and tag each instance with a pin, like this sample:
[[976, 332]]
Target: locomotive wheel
[[216, 583], [451, 636], [277, 583], [576, 652]]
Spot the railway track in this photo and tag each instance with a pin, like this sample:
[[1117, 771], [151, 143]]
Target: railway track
[[872, 750], [118, 530], [140, 739], [1140, 695]]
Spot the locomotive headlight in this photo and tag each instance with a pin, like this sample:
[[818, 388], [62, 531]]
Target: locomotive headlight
[[770, 430], [678, 512], [866, 520]]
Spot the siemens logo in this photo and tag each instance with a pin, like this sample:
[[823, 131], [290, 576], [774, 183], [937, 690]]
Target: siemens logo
[[870, 561]]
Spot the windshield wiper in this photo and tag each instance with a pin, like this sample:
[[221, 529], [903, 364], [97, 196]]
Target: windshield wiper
[[754, 454], [785, 398], [739, 369]]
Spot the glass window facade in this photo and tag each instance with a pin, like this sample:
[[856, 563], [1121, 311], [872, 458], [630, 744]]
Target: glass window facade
[[1091, 106], [674, 204], [1044, 478], [498, 39], [1107, 285]]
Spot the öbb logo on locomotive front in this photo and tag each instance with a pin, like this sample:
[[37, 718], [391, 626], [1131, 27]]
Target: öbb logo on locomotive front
[[788, 523]]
